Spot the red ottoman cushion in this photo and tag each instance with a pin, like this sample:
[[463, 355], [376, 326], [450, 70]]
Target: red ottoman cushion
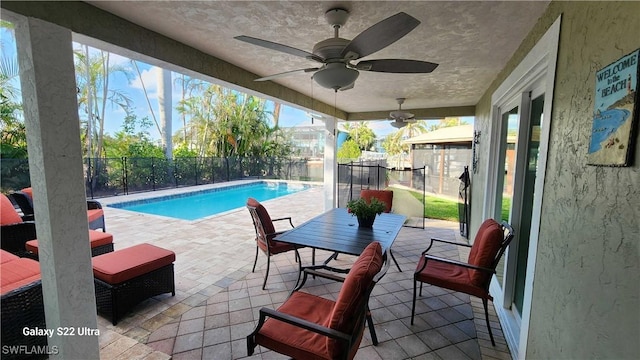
[[122, 265], [97, 238]]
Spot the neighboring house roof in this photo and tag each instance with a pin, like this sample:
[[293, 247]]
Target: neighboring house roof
[[453, 134]]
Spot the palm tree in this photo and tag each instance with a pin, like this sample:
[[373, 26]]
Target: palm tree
[[14, 135], [361, 134], [93, 75]]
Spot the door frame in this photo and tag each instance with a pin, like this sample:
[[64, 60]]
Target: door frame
[[536, 70]]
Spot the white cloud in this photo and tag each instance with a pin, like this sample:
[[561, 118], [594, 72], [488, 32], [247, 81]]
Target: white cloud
[[150, 79]]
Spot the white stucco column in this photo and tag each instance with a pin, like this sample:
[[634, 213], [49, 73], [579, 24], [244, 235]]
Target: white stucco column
[[55, 162], [330, 164]]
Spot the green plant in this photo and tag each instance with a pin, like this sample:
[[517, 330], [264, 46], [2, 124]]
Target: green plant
[[362, 209]]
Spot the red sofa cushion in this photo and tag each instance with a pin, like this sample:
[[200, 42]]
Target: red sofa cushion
[[124, 264], [6, 256], [17, 273], [385, 196], [95, 214], [294, 341], [28, 191], [8, 213], [352, 294], [485, 247], [96, 238]]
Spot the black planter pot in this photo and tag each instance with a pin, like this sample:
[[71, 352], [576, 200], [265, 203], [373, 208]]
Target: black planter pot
[[366, 222]]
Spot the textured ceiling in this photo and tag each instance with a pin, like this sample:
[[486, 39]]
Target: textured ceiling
[[471, 41]]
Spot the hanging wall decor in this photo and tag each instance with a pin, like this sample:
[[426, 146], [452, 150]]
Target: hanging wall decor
[[475, 151], [615, 114]]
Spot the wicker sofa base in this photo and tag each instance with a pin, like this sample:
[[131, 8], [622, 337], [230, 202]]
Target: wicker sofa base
[[115, 300], [22, 307]]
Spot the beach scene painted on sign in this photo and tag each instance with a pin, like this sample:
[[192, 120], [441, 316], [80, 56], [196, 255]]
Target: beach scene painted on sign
[[615, 112]]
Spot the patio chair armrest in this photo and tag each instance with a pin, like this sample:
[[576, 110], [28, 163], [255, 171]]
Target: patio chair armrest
[[307, 325], [15, 236], [284, 218], [93, 205], [444, 241], [458, 263]]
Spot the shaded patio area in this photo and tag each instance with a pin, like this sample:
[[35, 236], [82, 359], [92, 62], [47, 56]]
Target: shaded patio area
[[218, 298]]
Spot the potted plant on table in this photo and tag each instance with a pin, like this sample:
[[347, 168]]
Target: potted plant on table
[[366, 212]]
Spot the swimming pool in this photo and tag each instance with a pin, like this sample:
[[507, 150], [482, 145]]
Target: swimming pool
[[200, 204]]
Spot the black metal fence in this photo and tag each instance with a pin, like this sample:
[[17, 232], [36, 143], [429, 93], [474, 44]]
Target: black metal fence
[[121, 176], [353, 177]]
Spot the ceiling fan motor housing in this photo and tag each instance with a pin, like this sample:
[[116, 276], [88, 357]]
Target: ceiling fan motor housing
[[330, 48]]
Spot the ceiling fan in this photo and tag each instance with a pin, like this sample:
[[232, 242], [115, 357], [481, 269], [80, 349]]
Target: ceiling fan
[[336, 54], [401, 118]]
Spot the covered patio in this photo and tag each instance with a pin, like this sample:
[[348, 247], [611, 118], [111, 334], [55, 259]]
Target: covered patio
[[218, 297], [579, 264]]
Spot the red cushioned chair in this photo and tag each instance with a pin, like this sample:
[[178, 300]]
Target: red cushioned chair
[[307, 326], [95, 214], [265, 232], [386, 197], [472, 277]]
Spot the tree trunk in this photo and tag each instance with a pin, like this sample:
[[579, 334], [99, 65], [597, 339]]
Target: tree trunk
[[165, 110]]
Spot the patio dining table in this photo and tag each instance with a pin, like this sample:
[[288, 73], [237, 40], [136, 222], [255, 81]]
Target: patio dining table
[[337, 231]]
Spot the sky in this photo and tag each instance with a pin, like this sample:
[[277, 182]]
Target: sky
[[149, 77]]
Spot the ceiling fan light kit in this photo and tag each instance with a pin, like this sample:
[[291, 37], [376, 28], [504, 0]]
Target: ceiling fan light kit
[[336, 54], [335, 76]]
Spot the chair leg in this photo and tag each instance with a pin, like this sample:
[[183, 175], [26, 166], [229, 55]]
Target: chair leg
[[372, 330], [266, 275], [486, 314], [413, 307], [256, 260], [394, 260], [420, 289]]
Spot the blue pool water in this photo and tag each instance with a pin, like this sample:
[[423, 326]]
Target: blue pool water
[[200, 204]]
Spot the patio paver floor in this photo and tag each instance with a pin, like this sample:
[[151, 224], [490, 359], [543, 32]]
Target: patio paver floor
[[218, 297]]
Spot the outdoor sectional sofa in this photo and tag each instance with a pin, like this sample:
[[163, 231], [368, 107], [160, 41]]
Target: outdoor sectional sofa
[[19, 236]]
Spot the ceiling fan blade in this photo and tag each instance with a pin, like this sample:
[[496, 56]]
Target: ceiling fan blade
[[379, 36], [286, 73], [279, 47], [398, 66]]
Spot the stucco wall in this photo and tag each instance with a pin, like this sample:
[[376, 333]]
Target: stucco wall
[[587, 279]]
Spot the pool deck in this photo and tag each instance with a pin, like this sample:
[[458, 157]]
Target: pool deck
[[218, 297]]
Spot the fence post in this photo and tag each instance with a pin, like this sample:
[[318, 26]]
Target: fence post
[[351, 184], [227, 162], [125, 185], [90, 177], [153, 175], [213, 172]]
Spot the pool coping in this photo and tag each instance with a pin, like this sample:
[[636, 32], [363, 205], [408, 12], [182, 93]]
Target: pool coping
[[191, 190]]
